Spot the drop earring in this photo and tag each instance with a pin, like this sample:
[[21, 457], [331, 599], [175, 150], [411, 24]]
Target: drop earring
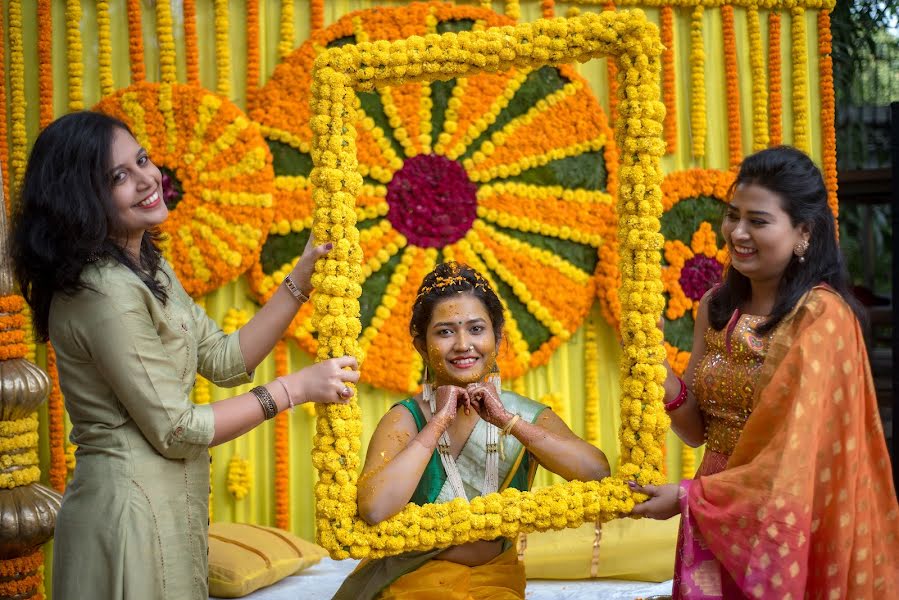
[[427, 388], [495, 379]]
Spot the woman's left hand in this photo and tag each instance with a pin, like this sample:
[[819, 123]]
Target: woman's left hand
[[663, 502], [305, 267], [486, 402]]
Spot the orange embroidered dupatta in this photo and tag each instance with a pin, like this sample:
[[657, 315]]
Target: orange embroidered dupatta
[[806, 506]]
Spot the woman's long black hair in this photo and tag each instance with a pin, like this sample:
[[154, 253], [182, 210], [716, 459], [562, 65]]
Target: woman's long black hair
[[64, 217], [797, 181]]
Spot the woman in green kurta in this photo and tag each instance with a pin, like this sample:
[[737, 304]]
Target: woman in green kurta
[[461, 437], [129, 343]]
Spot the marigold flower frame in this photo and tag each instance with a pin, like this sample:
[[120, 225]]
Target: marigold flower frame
[[633, 42]]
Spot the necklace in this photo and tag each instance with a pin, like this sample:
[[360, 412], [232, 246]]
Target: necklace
[[491, 469]]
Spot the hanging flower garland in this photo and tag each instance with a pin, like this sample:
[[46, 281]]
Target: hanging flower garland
[[23, 577], [513, 10], [56, 425], [828, 116], [191, 47], [217, 178], [337, 280], [694, 258], [775, 123], [698, 123], [759, 83], [317, 14], [252, 44], [612, 77], [799, 53], [166, 39], [282, 448], [591, 383], [732, 87], [240, 477], [547, 9], [45, 62], [136, 42], [669, 89], [104, 49], [17, 100], [513, 185], [285, 44], [74, 55], [222, 48], [5, 174]]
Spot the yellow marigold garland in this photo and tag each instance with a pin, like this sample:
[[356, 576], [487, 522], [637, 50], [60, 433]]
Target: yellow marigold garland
[[828, 119], [513, 9], [697, 83], [5, 174], [800, 79], [337, 277], [166, 39], [74, 57], [669, 88], [240, 477], [104, 48], [558, 404], [591, 383], [56, 425], [17, 100], [45, 62], [191, 47], [136, 42], [285, 43], [222, 48], [759, 84], [775, 123], [732, 87], [282, 448]]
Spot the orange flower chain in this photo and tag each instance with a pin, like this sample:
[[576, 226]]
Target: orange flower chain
[[45, 62], [135, 42], [191, 47], [612, 74], [669, 92], [775, 123], [317, 14], [252, 44], [56, 425], [732, 89], [282, 448], [23, 577], [828, 135], [548, 9]]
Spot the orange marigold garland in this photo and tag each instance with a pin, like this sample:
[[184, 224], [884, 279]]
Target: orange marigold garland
[[698, 123], [759, 83], [669, 89], [317, 14], [548, 8], [775, 108], [56, 425], [45, 62], [732, 87], [799, 53], [13, 327], [829, 142], [191, 47], [282, 449], [252, 45], [23, 577], [136, 42]]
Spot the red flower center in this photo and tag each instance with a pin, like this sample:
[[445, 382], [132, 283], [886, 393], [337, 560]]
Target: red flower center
[[432, 202], [698, 275]]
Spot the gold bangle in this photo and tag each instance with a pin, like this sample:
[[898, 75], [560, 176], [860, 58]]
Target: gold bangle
[[507, 429], [294, 290]]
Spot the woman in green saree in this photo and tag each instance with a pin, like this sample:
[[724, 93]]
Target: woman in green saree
[[461, 437]]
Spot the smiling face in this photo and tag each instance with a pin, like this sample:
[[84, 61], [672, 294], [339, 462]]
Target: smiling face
[[759, 234], [459, 344], [136, 192]]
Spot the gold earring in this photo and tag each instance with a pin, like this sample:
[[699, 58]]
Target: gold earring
[[800, 249]]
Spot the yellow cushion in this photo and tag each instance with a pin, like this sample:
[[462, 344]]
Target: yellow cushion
[[244, 558], [638, 550]]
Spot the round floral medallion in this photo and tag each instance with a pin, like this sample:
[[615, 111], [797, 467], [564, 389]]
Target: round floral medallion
[[507, 172]]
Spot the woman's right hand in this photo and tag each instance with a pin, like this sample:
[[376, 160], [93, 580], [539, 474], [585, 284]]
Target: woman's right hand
[[449, 399], [325, 382]]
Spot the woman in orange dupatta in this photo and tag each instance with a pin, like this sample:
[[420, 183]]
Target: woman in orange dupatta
[[794, 497]]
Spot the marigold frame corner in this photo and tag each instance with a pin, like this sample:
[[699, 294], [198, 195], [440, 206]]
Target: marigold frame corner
[[633, 42]]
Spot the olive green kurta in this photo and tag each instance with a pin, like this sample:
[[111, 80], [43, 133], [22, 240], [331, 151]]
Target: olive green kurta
[[134, 518]]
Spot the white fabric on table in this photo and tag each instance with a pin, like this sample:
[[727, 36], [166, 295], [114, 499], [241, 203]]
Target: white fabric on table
[[319, 582]]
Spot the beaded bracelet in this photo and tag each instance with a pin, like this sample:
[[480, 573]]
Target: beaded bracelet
[[680, 399], [269, 408], [294, 290]]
